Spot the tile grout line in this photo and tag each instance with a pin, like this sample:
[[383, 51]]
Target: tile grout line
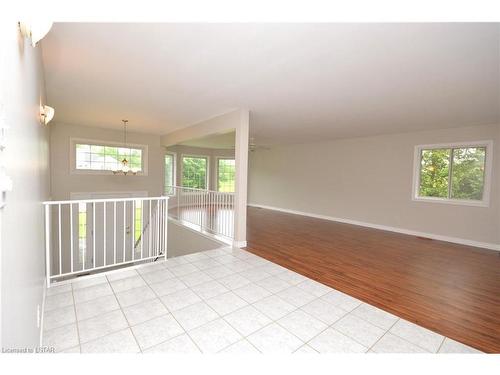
[[252, 266], [363, 302], [385, 333], [231, 290], [244, 337], [347, 313], [76, 320], [202, 300], [441, 345], [222, 316], [251, 304], [170, 312], [276, 321], [307, 342], [123, 312], [417, 345], [107, 312], [157, 296], [272, 321], [210, 321]]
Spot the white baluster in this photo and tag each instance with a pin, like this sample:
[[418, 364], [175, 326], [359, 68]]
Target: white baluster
[[47, 243], [71, 234], [124, 230], [104, 232], [93, 234], [60, 241], [114, 232]]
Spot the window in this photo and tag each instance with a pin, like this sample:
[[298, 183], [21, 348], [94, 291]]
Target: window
[[102, 158], [194, 172], [453, 173], [226, 169], [169, 174]]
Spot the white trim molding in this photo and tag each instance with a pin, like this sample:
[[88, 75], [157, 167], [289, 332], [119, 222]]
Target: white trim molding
[[240, 244], [432, 236], [174, 168], [485, 202]]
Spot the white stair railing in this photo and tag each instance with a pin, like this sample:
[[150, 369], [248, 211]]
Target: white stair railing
[[208, 210], [84, 236]]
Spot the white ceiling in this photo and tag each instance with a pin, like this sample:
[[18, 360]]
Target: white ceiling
[[301, 82]]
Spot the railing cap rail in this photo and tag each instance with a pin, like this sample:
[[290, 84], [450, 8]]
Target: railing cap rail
[[75, 201], [201, 190]]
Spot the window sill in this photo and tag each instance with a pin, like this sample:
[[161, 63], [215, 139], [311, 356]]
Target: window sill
[[99, 172], [455, 202]]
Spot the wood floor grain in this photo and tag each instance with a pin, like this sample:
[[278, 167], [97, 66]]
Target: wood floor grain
[[451, 289]]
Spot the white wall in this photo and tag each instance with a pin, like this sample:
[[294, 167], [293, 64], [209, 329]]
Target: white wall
[[212, 154], [64, 183], [370, 180], [183, 241], [26, 161]]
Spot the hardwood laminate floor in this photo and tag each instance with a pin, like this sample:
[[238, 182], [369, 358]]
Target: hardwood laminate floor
[[448, 288]]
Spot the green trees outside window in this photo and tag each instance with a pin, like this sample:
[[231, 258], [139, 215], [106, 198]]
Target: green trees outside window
[[226, 170], [452, 173], [106, 158], [434, 173], [194, 172]]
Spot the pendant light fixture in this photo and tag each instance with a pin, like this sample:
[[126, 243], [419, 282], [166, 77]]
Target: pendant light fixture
[[124, 168]]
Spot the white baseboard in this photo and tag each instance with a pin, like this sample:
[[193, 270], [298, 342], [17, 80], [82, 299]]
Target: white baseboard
[[240, 244], [461, 241]]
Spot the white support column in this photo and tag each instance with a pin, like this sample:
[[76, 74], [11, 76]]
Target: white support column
[[239, 121], [240, 201]]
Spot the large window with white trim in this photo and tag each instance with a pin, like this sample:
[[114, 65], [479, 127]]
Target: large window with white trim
[[453, 173], [194, 171], [104, 157]]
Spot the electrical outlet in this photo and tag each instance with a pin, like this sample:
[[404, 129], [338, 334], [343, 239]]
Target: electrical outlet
[[38, 316]]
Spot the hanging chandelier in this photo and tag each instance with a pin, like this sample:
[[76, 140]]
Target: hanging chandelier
[[124, 168]]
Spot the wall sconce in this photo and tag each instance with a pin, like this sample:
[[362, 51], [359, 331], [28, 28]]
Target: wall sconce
[[34, 30], [46, 114]]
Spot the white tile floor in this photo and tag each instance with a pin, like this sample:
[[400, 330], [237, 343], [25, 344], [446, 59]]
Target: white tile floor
[[224, 300]]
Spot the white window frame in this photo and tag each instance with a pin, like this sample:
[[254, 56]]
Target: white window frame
[[174, 171], [72, 154], [207, 175], [217, 169], [485, 202]]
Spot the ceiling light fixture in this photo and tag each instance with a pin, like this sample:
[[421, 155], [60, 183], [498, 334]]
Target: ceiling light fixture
[[124, 168], [36, 31], [46, 114]]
